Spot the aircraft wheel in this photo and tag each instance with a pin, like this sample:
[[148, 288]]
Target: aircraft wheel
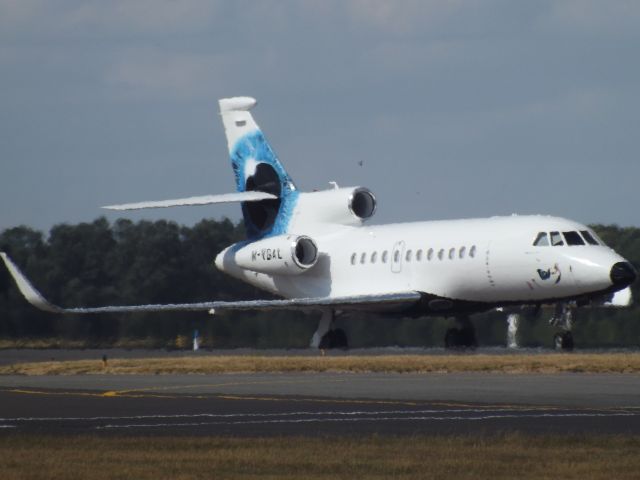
[[563, 341], [340, 339], [334, 339], [325, 343], [460, 338], [451, 338]]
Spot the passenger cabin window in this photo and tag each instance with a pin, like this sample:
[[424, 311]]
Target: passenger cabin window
[[452, 253], [556, 239], [396, 256], [462, 252], [588, 237], [430, 254], [353, 259], [441, 254], [472, 252], [542, 240], [573, 238], [408, 256], [385, 255], [374, 257], [418, 255], [363, 258]]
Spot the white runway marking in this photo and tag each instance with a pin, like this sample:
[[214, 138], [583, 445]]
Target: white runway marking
[[371, 419], [318, 417], [275, 414]]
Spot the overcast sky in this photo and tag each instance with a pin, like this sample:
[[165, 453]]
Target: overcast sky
[[455, 108]]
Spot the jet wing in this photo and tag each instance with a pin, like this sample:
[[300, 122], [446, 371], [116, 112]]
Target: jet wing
[[398, 300], [251, 196]]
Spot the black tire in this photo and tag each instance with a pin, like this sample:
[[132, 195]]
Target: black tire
[[451, 339], [467, 338], [340, 339], [454, 339], [325, 341], [334, 339], [563, 341], [460, 339], [567, 341]]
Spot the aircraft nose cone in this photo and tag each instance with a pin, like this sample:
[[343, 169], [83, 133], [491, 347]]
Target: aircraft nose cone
[[623, 274]]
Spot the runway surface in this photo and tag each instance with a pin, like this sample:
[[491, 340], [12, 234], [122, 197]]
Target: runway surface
[[321, 404]]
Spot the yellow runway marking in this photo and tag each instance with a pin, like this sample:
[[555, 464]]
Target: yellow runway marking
[[40, 392], [216, 385], [232, 397]]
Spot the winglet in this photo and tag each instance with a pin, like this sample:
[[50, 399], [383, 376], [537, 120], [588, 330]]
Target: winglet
[[28, 291]]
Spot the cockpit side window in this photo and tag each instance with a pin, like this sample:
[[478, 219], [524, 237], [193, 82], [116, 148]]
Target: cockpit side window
[[588, 237], [573, 238], [556, 239], [542, 240]]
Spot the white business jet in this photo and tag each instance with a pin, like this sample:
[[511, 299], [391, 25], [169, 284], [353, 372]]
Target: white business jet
[[317, 252]]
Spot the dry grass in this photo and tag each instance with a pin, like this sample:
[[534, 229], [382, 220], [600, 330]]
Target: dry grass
[[63, 343], [499, 457], [543, 363], [40, 343]]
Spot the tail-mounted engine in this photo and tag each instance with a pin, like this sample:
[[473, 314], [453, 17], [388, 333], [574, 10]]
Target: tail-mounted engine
[[281, 255], [343, 206]]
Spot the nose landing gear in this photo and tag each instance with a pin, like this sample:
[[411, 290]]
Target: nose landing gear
[[563, 319]]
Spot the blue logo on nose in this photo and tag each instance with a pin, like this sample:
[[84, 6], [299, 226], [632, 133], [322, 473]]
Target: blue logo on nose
[[550, 272]]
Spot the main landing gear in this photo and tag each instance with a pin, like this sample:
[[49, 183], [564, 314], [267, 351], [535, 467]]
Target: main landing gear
[[562, 319], [327, 336], [462, 336]]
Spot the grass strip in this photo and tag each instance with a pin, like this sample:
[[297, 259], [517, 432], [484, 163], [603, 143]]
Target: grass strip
[[443, 457], [207, 364]]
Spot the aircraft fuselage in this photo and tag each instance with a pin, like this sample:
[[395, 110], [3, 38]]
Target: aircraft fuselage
[[458, 265]]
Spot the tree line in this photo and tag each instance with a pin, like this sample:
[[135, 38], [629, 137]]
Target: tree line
[[125, 262]]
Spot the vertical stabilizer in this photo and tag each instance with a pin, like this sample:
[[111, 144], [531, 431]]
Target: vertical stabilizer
[[257, 168]]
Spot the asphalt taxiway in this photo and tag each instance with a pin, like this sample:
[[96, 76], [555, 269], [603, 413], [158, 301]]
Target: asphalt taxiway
[[321, 404]]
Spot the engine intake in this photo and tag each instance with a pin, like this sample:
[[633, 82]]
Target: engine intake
[[281, 255], [339, 206], [362, 203]]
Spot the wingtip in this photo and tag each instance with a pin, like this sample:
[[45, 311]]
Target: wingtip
[[28, 291]]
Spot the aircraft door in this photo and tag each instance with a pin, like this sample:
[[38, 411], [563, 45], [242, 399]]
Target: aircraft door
[[396, 257]]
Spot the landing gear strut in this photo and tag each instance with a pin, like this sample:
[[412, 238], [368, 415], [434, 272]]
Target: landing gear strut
[[563, 318], [513, 320], [462, 336], [326, 335]]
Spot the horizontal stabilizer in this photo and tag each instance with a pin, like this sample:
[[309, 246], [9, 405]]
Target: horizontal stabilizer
[[355, 302], [251, 196]]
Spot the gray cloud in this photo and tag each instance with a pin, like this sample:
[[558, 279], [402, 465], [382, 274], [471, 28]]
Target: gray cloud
[[454, 108]]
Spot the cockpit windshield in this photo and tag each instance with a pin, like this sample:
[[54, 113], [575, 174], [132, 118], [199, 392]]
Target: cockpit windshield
[[572, 238], [542, 240], [556, 239], [588, 237]]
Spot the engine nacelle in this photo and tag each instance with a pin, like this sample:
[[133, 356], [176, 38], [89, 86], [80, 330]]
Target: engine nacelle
[[281, 255], [344, 206]]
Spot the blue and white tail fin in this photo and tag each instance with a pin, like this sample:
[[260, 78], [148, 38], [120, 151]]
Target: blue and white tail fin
[[266, 191], [257, 168]]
